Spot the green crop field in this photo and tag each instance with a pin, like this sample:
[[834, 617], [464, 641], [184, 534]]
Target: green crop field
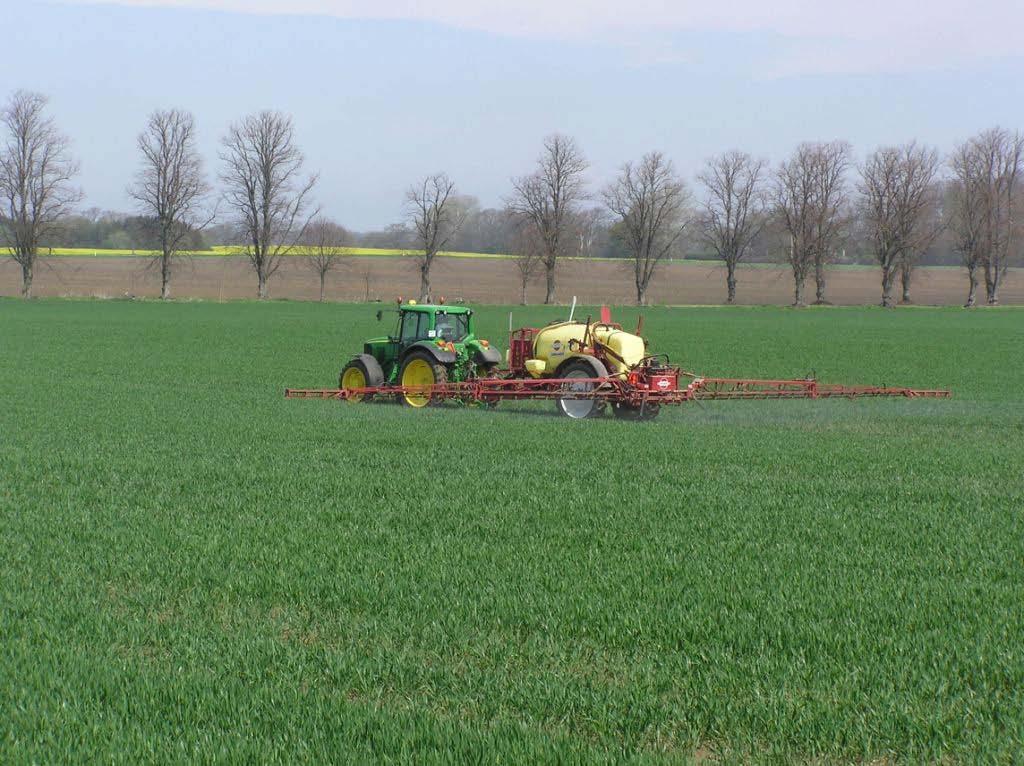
[[196, 569]]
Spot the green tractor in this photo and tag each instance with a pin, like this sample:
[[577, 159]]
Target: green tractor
[[432, 344]]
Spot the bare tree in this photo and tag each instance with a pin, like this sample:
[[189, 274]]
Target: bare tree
[[932, 226], [36, 168], [968, 192], [549, 197], [987, 192], [810, 199], [1002, 154], [652, 204], [436, 216], [366, 274], [831, 163], [170, 187], [794, 201], [397, 235], [265, 190], [897, 201], [324, 240], [528, 250], [586, 225], [735, 211]]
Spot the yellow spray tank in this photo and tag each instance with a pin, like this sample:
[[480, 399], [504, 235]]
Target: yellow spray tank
[[588, 355], [555, 344]]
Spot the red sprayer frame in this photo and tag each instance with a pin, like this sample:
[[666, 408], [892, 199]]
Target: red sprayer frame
[[652, 382], [638, 390]]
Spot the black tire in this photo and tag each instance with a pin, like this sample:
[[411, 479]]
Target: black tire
[[440, 375], [629, 412], [493, 372], [368, 367], [581, 367]]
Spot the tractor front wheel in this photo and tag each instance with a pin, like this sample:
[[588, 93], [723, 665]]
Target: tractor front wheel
[[420, 370]]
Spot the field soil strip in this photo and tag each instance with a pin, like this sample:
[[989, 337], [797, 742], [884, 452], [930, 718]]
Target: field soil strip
[[477, 280]]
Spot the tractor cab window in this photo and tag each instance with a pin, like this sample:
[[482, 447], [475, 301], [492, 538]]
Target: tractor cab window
[[453, 327], [414, 326]]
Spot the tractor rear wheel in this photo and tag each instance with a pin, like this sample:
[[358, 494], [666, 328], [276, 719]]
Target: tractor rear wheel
[[361, 372], [581, 367], [420, 369]]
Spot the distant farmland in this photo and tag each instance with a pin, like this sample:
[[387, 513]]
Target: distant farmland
[[231, 250], [379, 274]]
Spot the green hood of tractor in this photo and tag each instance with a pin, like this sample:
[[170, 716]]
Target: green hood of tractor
[[468, 344]]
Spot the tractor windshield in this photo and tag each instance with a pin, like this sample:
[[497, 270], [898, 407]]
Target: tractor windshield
[[453, 327]]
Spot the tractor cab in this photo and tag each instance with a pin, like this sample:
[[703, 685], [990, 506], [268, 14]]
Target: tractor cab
[[448, 323]]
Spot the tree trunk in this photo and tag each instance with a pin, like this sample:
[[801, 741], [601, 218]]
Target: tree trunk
[[323, 277], [641, 294], [990, 285], [905, 275], [425, 281], [888, 277], [26, 278], [819, 281], [522, 299], [730, 282], [262, 291], [972, 276], [549, 296], [165, 278], [798, 298]]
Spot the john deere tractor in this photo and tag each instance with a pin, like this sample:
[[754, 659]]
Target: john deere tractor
[[432, 344]]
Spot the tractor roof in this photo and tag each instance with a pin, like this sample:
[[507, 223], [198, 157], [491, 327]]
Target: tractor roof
[[430, 308]]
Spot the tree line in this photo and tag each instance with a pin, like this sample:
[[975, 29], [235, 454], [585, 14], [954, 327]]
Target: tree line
[[896, 207]]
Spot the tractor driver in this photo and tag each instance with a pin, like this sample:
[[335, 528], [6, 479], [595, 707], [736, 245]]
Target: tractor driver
[[451, 327]]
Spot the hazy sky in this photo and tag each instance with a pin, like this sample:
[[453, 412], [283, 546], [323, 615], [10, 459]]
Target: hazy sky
[[384, 92]]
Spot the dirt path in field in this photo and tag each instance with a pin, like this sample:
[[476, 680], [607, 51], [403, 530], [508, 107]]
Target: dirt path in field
[[474, 280]]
